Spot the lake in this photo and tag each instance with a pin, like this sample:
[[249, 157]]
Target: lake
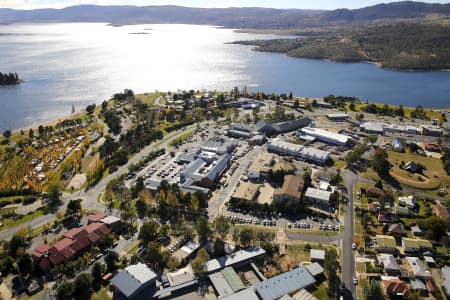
[[82, 63]]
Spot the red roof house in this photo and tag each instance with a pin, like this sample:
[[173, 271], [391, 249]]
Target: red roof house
[[40, 251], [96, 218], [395, 287]]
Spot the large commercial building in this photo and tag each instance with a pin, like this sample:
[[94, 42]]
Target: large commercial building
[[326, 136], [317, 196], [203, 166], [290, 191], [135, 282], [307, 153], [263, 127]]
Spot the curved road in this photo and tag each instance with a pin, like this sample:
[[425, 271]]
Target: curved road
[[90, 196]]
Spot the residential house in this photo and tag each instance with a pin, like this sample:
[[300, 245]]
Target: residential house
[[397, 229], [442, 212], [418, 268], [385, 217], [402, 211], [389, 263], [317, 255], [386, 244], [375, 192], [416, 231], [411, 167], [396, 287], [416, 246], [407, 201]]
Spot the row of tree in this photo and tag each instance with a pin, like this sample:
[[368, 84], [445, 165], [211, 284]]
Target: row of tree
[[9, 78]]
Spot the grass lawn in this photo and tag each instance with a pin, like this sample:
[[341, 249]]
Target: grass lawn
[[296, 254], [339, 164], [321, 292], [360, 267], [434, 173], [360, 289], [89, 163], [312, 231], [182, 137], [149, 98], [101, 294], [11, 223], [256, 228]]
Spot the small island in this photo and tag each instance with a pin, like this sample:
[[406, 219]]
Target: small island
[[9, 78]]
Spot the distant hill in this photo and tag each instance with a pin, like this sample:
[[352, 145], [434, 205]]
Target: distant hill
[[412, 46], [245, 18]]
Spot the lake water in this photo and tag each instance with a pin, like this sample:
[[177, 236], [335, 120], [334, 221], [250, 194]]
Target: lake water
[[79, 64]]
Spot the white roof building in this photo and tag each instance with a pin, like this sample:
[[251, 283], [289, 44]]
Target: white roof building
[[317, 195], [315, 155], [326, 136], [388, 261], [133, 279], [417, 267], [283, 147], [372, 127], [408, 201], [234, 258]]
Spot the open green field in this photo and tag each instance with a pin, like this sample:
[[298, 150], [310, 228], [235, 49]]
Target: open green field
[[9, 223], [433, 178], [149, 98], [433, 175]]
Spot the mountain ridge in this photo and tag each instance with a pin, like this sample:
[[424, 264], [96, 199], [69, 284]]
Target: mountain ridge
[[233, 17]]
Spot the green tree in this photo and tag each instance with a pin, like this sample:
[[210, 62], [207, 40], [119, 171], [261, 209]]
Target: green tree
[[155, 257], [111, 261], [331, 266], [16, 245], [219, 247], [65, 291], [97, 275], [73, 207], [149, 232], [54, 196], [198, 264], [246, 237], [7, 134], [380, 164], [221, 226], [203, 229], [83, 287], [26, 264]]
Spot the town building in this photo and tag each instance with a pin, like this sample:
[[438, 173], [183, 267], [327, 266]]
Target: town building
[[442, 212], [246, 191], [284, 284], [389, 263], [261, 166], [234, 259], [386, 244], [408, 201], [73, 244], [413, 246], [317, 196], [290, 191], [298, 151], [338, 116], [135, 282], [372, 128], [226, 282], [326, 136], [418, 268], [317, 255], [395, 287]]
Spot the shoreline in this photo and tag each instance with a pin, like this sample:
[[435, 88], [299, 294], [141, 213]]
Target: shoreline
[[81, 113]]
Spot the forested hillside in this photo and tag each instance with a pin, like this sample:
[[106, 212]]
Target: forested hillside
[[400, 46]]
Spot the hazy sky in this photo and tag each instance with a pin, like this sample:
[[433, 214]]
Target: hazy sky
[[306, 4]]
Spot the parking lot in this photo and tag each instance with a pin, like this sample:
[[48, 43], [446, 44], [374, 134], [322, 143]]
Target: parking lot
[[281, 221]]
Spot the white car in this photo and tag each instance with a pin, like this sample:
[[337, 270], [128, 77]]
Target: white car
[[354, 246], [355, 281]]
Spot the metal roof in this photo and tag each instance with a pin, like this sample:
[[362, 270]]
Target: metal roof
[[388, 261], [315, 269], [285, 283], [234, 258], [175, 288], [446, 277], [317, 254], [247, 294], [317, 194], [325, 135], [220, 284], [132, 279], [418, 284], [233, 279]]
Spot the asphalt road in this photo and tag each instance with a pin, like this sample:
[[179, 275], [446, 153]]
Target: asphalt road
[[348, 258]]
